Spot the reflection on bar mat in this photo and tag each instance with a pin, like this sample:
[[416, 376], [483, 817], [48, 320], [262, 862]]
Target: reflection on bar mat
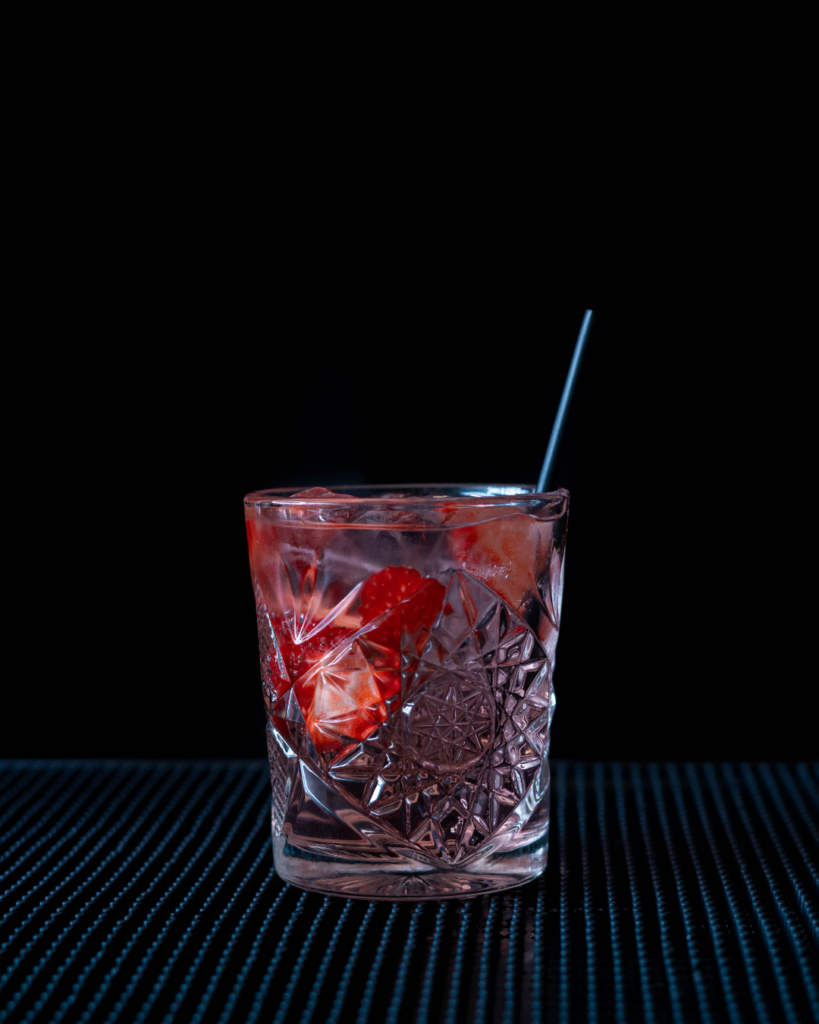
[[145, 891]]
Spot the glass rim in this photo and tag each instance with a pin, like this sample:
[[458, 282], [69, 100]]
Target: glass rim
[[407, 496]]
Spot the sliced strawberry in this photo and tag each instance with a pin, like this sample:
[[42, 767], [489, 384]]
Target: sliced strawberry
[[387, 588], [341, 700], [295, 659], [413, 601], [341, 687]]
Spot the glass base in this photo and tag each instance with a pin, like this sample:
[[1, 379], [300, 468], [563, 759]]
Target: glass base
[[404, 879]]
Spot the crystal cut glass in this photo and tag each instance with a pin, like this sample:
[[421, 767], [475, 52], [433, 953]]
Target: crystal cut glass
[[407, 643]]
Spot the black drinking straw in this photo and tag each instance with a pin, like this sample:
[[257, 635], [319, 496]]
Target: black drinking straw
[[565, 398]]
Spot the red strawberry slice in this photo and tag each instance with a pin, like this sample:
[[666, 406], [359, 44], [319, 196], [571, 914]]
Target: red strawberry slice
[[385, 589], [419, 598], [340, 701], [294, 659], [414, 602], [342, 697]]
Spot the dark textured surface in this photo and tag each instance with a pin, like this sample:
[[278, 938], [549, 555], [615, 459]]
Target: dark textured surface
[[145, 891]]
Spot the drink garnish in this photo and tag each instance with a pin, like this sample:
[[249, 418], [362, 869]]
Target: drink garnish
[[414, 599]]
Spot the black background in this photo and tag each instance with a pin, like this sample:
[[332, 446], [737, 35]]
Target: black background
[[137, 622]]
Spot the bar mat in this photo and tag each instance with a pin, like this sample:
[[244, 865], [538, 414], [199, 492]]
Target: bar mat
[[145, 891]]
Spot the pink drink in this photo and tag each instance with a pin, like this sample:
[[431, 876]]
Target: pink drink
[[407, 640]]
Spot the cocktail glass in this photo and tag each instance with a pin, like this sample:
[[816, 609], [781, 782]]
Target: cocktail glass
[[407, 641]]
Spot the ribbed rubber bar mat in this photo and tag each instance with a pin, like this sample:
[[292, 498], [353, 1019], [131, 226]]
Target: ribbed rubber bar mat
[[146, 892]]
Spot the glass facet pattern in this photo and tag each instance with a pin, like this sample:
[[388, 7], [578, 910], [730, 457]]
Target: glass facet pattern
[[407, 646]]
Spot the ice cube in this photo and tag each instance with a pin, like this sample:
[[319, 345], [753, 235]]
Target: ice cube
[[320, 492], [323, 513]]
